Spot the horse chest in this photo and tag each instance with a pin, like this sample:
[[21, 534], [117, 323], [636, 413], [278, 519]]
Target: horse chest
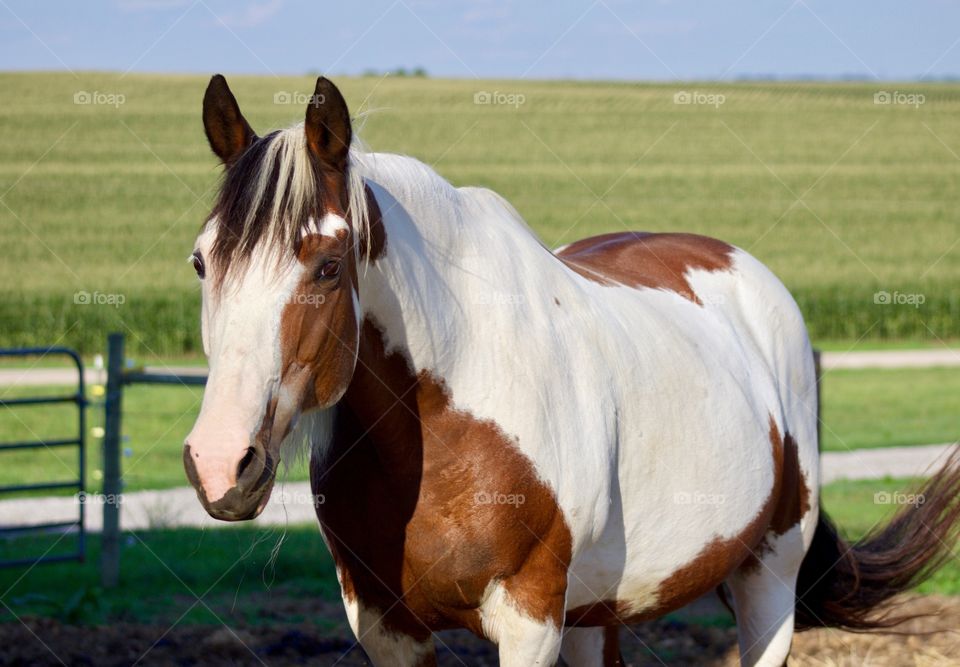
[[436, 519]]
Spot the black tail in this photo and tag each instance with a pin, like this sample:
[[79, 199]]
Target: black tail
[[845, 585]]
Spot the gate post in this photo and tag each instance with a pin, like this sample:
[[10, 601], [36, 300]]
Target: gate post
[[110, 538]]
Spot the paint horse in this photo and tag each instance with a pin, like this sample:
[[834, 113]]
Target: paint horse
[[537, 446]]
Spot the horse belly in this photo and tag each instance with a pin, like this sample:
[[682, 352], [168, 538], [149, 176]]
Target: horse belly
[[685, 513]]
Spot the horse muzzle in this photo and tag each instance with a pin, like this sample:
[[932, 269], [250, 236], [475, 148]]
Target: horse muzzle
[[233, 488]]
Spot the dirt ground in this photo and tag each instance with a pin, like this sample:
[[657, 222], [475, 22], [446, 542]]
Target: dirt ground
[[273, 642]]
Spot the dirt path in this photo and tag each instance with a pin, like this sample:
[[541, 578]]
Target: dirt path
[[278, 643]]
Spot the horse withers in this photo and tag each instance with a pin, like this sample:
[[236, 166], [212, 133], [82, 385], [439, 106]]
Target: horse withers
[[535, 445]]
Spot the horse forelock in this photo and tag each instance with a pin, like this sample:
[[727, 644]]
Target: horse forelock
[[270, 197]]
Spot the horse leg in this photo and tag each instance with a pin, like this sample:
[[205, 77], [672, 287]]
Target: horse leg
[[764, 600], [592, 647], [386, 646], [526, 634]]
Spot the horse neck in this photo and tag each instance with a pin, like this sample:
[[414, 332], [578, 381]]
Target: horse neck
[[457, 262]]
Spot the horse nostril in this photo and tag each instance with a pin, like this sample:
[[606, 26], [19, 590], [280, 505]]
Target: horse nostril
[[245, 462], [190, 467]]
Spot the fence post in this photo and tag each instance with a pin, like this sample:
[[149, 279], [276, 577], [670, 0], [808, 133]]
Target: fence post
[[110, 538]]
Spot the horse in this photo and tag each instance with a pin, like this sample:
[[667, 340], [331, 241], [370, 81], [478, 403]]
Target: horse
[[534, 445]]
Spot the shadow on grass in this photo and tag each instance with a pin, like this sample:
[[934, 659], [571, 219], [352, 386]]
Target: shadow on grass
[[163, 572]]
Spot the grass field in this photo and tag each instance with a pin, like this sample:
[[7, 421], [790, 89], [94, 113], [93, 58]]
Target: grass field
[[863, 408], [883, 408], [162, 571], [842, 197]]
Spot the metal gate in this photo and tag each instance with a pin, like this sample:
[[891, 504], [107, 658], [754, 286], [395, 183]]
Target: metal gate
[[78, 398]]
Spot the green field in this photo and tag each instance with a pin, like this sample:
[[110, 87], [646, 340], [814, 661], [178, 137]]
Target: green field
[[162, 570], [884, 408], [840, 196]]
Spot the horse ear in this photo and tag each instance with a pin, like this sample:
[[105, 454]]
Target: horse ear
[[227, 130], [327, 126]]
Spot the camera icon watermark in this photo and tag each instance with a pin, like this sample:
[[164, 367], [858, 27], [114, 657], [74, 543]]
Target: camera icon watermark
[[698, 498], [499, 498], [85, 298], [310, 299], [898, 97], [895, 298], [711, 298], [98, 499], [96, 98], [898, 498], [499, 98], [285, 497], [298, 98], [493, 298], [699, 98]]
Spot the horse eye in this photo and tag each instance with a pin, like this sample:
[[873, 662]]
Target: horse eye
[[198, 265], [329, 269]]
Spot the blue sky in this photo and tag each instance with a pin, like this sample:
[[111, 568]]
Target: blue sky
[[605, 39]]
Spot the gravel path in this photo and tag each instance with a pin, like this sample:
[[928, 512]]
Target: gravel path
[[41, 377], [941, 357]]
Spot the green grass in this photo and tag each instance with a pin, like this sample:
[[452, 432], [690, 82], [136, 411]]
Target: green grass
[[862, 408], [156, 419], [162, 572], [105, 199], [231, 568], [881, 407]]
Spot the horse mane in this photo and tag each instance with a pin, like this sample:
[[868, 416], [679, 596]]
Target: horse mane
[[268, 196]]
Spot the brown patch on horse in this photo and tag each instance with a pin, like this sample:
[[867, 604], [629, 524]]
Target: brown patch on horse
[[373, 246], [318, 326], [715, 562], [318, 331], [641, 259], [426, 505], [794, 500]]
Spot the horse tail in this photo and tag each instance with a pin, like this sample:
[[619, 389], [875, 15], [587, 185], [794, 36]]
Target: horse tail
[[846, 586]]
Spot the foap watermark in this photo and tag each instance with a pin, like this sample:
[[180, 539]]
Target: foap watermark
[[498, 299], [298, 98], [898, 498], [85, 298], [97, 98], [299, 498], [696, 97], [899, 98], [98, 499], [499, 98], [885, 298], [498, 498], [309, 299], [711, 298], [698, 498]]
